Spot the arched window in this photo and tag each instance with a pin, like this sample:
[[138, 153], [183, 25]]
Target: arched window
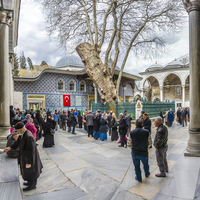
[[82, 86], [91, 88], [71, 85], [60, 84]]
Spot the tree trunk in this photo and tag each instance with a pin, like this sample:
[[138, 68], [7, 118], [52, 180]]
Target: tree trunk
[[96, 70]]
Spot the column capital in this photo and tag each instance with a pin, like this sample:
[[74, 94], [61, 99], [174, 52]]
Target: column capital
[[183, 86], [5, 17], [161, 87], [191, 5]]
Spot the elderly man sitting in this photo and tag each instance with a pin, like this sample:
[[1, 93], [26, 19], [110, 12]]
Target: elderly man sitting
[[11, 139]]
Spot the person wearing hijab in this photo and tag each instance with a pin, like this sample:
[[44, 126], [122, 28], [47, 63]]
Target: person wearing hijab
[[103, 129], [36, 126], [47, 127], [80, 119], [96, 127], [170, 119], [31, 127], [40, 122]]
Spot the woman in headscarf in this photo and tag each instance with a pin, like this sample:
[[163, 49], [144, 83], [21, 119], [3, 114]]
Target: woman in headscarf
[[103, 129], [80, 119], [96, 127], [47, 127], [114, 135], [36, 126], [84, 120], [170, 119], [40, 122], [31, 127]]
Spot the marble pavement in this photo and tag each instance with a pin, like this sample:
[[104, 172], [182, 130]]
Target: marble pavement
[[80, 168]]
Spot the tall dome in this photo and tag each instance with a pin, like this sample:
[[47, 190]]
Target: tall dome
[[70, 61]]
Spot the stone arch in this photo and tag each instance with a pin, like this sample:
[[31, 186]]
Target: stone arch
[[153, 76], [173, 73], [185, 78], [172, 86]]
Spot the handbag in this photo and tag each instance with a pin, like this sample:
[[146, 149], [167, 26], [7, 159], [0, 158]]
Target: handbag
[[52, 131]]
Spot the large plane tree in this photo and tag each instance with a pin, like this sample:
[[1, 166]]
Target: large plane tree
[[100, 28]]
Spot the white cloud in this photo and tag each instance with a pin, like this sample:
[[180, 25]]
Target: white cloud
[[35, 43]]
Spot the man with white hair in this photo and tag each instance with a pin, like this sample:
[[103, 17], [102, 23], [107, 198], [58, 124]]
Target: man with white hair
[[30, 163], [160, 143]]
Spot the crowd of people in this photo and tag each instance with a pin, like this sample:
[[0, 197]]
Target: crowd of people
[[27, 127]]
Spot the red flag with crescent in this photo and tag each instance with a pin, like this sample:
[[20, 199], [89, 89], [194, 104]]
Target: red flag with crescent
[[66, 100]]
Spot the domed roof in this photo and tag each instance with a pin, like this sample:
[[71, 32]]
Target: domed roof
[[72, 61], [154, 67]]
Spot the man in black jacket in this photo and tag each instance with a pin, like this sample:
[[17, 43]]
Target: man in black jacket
[[30, 163], [183, 117], [122, 130], [160, 143], [64, 118], [147, 125], [139, 138]]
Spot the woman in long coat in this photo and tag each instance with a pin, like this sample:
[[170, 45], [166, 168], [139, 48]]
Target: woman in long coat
[[48, 136], [114, 135], [96, 127], [31, 127], [80, 119], [37, 126], [84, 120], [40, 122], [103, 129]]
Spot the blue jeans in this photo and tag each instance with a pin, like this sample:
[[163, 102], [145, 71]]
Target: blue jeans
[[73, 130], [136, 162]]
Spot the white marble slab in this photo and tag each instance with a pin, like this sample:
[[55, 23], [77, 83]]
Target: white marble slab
[[50, 180], [68, 194], [108, 153], [95, 184], [68, 161]]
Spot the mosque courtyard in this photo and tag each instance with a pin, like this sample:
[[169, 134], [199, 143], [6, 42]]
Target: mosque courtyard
[[79, 168]]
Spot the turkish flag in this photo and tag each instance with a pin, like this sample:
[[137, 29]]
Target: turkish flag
[[66, 100]]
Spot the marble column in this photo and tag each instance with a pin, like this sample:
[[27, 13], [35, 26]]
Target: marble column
[[183, 96], [5, 20], [161, 93], [95, 94], [193, 8], [124, 89], [142, 93], [11, 86]]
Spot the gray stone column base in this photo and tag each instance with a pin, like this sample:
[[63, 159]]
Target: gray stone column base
[[193, 148], [4, 132]]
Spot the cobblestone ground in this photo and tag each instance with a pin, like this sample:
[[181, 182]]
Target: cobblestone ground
[[80, 168]]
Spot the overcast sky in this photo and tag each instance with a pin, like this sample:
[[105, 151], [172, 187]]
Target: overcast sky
[[35, 43]]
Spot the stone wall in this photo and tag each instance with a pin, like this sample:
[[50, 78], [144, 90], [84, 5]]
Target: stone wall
[[18, 100]]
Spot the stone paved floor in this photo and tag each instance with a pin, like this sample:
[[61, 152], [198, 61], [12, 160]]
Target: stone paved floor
[[79, 168]]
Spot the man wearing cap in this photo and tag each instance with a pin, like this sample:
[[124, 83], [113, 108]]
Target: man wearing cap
[[30, 163]]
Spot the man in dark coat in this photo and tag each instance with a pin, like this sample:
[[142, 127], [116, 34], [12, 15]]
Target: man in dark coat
[[139, 138], [90, 123], [73, 120], [122, 130], [160, 143], [183, 117], [109, 123], [147, 125], [30, 163], [64, 118], [12, 114]]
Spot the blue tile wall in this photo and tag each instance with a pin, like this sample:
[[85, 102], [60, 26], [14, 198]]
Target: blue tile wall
[[47, 85]]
